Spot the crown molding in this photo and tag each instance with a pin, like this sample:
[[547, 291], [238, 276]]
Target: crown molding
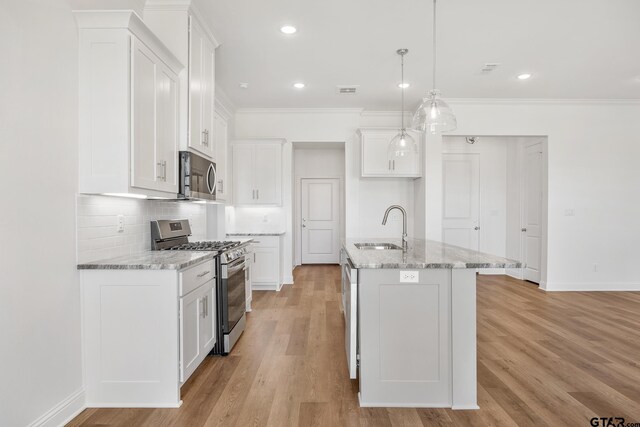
[[299, 111], [187, 6], [540, 101]]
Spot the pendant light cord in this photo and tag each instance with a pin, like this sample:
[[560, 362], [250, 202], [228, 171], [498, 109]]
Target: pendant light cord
[[402, 83], [434, 44]]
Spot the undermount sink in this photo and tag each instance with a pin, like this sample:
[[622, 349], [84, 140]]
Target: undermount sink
[[377, 246]]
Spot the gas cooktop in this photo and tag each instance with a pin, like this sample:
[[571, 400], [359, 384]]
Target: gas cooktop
[[203, 246]]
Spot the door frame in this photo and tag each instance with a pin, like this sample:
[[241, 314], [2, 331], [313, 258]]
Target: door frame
[[297, 217]]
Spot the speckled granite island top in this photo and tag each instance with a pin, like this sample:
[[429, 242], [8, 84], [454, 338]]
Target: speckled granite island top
[[151, 260], [422, 254]]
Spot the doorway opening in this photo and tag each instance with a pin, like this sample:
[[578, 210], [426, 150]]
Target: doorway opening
[[494, 199], [318, 202]]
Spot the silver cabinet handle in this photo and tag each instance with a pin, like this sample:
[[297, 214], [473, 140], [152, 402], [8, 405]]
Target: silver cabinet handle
[[202, 308], [393, 162], [389, 167], [159, 176], [524, 230], [164, 170], [254, 257], [204, 273], [257, 194], [206, 306], [253, 194]]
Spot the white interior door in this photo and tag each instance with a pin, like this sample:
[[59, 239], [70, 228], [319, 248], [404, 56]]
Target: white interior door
[[532, 212], [461, 200], [320, 220]]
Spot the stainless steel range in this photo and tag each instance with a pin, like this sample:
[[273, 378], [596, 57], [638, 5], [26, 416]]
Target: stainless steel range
[[230, 277]]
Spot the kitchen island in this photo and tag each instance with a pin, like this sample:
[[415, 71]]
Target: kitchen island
[[411, 321]]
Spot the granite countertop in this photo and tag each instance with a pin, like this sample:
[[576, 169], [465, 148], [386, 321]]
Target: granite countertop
[[259, 233], [151, 260], [422, 254]]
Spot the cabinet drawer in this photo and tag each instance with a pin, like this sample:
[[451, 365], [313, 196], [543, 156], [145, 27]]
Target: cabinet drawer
[[193, 277], [265, 241]]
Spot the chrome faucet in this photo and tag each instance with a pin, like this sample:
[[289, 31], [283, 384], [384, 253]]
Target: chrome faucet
[[404, 223]]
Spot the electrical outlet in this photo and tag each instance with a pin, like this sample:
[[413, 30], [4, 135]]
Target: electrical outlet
[[120, 224], [409, 276], [265, 218]]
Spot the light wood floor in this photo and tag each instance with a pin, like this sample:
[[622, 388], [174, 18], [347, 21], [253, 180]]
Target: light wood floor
[[545, 359]]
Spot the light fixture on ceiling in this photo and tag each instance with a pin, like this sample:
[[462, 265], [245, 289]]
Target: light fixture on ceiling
[[288, 29], [434, 115], [402, 144], [299, 85], [243, 85], [524, 76], [403, 85]]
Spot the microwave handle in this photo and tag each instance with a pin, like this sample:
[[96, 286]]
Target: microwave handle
[[215, 177]]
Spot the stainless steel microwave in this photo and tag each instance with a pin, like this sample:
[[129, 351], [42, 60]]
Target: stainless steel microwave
[[197, 177]]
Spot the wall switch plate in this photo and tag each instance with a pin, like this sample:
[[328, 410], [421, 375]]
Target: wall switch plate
[[120, 223], [409, 276], [569, 212]]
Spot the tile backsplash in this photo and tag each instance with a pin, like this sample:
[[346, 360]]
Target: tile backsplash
[[97, 218], [255, 219]]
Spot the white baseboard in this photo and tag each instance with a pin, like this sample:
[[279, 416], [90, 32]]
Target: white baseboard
[[288, 280], [499, 271], [590, 287], [401, 405], [134, 405], [63, 412], [265, 287]]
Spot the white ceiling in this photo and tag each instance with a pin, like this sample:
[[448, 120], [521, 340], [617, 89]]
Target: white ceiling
[[575, 49]]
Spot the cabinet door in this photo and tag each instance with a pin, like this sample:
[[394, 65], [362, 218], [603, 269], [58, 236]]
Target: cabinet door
[[243, 172], [268, 173], [191, 346], [375, 155], [265, 268], [208, 329], [220, 135], [208, 84], [147, 168], [196, 77], [167, 129]]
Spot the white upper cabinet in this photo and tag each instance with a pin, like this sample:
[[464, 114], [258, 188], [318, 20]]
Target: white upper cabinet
[[375, 159], [179, 26], [220, 131], [128, 103], [201, 90], [257, 172]]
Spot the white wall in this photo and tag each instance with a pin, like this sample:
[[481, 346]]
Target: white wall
[[593, 152], [98, 237], [39, 295]]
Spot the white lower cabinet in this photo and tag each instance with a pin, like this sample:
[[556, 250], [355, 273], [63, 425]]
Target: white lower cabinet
[[145, 332], [197, 328], [350, 311], [265, 271]]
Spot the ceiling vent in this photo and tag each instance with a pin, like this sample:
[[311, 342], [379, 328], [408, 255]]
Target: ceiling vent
[[347, 90], [489, 67]]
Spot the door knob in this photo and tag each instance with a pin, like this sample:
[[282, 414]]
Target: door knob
[[304, 226], [523, 230], [476, 228]]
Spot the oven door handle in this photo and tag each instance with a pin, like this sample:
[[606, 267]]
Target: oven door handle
[[233, 270]]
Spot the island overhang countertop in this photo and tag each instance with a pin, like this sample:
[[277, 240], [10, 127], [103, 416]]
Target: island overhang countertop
[[421, 254]]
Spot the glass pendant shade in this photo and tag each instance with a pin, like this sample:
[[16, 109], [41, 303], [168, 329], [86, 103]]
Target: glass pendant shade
[[402, 145], [434, 115]]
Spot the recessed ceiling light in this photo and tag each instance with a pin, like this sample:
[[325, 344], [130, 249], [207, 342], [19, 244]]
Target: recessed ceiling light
[[243, 85], [403, 85], [524, 76], [298, 85], [288, 29]]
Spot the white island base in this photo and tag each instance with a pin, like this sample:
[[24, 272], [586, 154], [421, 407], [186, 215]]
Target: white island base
[[417, 341]]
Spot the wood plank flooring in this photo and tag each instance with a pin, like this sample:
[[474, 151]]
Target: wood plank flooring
[[544, 359]]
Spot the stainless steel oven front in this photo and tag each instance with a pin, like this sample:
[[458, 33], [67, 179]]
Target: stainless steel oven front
[[233, 301]]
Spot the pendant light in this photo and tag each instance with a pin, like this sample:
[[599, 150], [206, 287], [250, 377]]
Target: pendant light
[[402, 144], [434, 115]]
